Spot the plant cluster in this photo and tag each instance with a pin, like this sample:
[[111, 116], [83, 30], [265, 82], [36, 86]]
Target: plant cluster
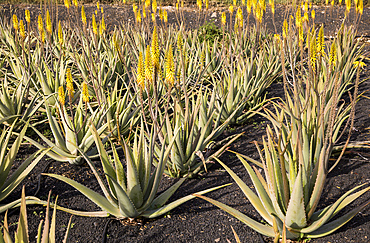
[[163, 95]]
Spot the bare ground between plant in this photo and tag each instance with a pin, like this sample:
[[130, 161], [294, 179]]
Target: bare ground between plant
[[197, 220]]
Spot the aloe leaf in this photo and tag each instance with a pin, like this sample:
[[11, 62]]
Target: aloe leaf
[[158, 212], [163, 198], [95, 197], [66, 236], [260, 228], [16, 178], [134, 190], [125, 202], [329, 228], [22, 229], [296, 215], [328, 213]]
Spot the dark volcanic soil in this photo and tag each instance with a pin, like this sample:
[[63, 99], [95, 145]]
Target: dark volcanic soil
[[197, 220]]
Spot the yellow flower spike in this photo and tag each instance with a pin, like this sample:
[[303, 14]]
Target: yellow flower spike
[[138, 17], [144, 12], [83, 15], [306, 6], [180, 42], [102, 10], [49, 26], [332, 3], [262, 5], [40, 24], [207, 4], [61, 96], [277, 38], [103, 23], [333, 54], [285, 29], [272, 7], [313, 14], [165, 17], [28, 15], [311, 4], [94, 26], [313, 53], [320, 42], [134, 8], [298, 18], [140, 75], [85, 92], [147, 3], [340, 2], [15, 22], [249, 6], [199, 3], [96, 12], [326, 2], [160, 13], [42, 36], [234, 2], [182, 3], [97, 5], [305, 17], [348, 5], [301, 39], [243, 2], [170, 67], [148, 65], [67, 4], [359, 64], [177, 6], [154, 6], [223, 19], [60, 34], [153, 17], [360, 6], [231, 9], [21, 29], [75, 2], [239, 14], [155, 49], [254, 4], [69, 82]]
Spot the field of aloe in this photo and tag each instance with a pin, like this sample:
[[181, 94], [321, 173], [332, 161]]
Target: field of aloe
[[165, 127]]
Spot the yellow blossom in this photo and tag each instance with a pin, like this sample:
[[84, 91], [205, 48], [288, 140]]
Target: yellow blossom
[[28, 16], [223, 19], [85, 92], [21, 29], [67, 4], [61, 96], [15, 22], [69, 82], [49, 26], [94, 26], [60, 34], [83, 15]]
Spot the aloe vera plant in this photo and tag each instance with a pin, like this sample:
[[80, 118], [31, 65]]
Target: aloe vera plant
[[295, 161], [14, 104], [46, 229], [130, 194], [242, 84], [72, 132], [8, 154], [194, 130]]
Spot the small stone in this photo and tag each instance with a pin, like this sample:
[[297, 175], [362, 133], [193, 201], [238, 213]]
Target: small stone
[[217, 240], [214, 15]]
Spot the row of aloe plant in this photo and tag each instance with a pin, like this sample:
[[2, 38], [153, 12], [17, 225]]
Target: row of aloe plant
[[180, 100]]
